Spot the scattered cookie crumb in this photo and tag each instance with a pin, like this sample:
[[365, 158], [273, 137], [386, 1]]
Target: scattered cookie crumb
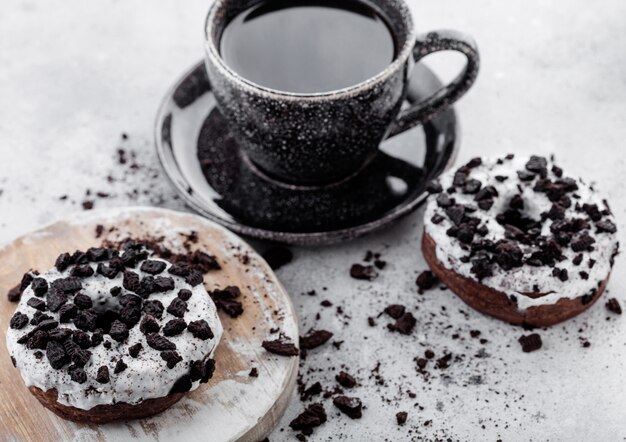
[[401, 417], [530, 342], [359, 271], [613, 306]]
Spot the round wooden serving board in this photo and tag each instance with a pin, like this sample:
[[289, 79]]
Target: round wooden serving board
[[233, 405]]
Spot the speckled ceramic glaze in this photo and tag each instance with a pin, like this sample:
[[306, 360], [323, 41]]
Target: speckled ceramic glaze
[[325, 137], [212, 175]]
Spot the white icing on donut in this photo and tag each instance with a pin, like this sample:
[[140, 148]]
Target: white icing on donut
[[146, 376], [525, 279]]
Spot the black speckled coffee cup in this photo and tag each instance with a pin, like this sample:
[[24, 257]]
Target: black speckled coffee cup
[[319, 138]]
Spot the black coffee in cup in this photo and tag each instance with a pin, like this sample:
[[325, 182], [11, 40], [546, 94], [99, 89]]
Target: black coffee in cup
[[310, 88], [308, 46]]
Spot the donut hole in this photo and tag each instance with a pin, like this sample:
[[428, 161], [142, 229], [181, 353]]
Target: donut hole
[[105, 319], [518, 224], [108, 309], [518, 219]]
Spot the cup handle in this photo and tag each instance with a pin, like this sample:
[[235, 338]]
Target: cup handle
[[442, 40]]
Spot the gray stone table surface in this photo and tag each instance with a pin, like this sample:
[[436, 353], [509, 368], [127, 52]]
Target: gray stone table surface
[[75, 75]]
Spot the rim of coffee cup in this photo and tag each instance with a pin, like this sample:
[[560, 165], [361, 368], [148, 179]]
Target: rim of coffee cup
[[391, 69]]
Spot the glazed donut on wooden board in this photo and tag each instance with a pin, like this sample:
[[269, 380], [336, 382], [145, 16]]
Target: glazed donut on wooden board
[[107, 335]]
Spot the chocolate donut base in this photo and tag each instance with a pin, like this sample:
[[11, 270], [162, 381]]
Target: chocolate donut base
[[101, 414], [497, 304]]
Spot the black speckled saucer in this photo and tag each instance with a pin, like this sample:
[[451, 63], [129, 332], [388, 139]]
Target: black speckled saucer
[[212, 175]]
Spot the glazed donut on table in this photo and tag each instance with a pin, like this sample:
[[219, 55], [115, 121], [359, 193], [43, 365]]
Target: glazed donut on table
[[109, 335], [517, 239]]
